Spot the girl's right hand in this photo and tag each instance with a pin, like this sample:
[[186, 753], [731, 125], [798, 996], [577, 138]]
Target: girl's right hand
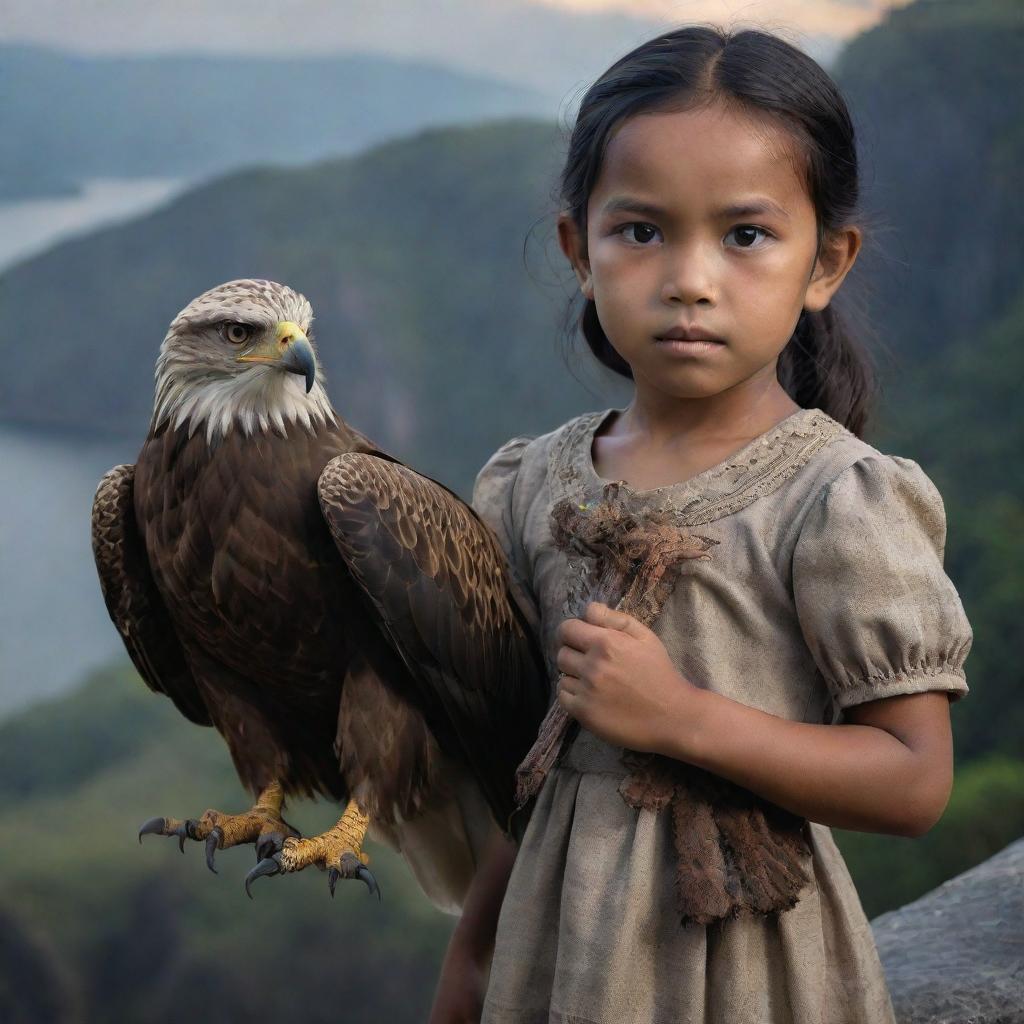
[[459, 998]]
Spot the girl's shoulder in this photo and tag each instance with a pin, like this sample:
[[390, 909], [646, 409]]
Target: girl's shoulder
[[851, 473], [523, 460]]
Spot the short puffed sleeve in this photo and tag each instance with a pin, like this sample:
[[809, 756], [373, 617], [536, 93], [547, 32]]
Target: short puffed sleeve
[[876, 608], [493, 500]]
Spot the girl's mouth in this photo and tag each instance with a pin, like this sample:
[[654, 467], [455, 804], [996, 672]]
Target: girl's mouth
[[680, 347]]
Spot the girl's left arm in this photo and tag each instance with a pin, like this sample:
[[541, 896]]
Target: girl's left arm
[[887, 768]]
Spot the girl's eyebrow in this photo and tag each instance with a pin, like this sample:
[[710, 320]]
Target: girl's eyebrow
[[753, 207]]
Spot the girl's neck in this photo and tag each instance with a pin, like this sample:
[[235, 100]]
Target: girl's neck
[[741, 412]]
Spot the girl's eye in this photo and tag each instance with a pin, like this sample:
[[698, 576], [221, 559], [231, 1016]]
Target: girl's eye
[[237, 333], [746, 235], [642, 233]]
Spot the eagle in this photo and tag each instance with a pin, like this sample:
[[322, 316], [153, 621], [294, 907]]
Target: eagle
[[348, 625]]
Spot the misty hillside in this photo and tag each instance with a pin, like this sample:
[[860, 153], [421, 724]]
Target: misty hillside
[[411, 255], [937, 91], [98, 928], [69, 117], [439, 342], [937, 94]]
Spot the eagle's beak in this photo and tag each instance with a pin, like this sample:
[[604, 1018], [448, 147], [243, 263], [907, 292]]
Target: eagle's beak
[[290, 349]]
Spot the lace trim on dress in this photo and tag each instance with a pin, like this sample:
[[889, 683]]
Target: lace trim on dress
[[756, 470]]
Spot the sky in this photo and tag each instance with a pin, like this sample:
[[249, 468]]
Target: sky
[[840, 18], [556, 46]]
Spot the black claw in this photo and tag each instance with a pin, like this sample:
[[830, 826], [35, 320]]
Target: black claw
[[268, 844], [155, 826], [332, 880], [213, 841], [158, 826], [371, 883], [267, 866]]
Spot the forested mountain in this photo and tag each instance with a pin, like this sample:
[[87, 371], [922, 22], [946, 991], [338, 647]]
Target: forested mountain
[[99, 929], [440, 335], [69, 117], [411, 255], [936, 93]]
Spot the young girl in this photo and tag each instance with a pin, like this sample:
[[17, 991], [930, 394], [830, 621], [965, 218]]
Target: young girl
[[810, 658]]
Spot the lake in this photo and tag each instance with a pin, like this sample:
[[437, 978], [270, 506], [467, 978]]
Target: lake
[[53, 623], [28, 227], [54, 626]]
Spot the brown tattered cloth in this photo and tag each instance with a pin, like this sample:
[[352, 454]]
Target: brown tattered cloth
[[736, 852]]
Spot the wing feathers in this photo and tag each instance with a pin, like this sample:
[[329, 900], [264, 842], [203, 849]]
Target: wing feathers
[[436, 577], [132, 599]]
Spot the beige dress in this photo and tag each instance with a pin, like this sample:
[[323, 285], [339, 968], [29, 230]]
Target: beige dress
[[826, 589]]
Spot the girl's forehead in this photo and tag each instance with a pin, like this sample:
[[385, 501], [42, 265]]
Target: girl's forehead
[[704, 154]]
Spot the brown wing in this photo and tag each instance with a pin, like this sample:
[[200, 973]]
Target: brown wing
[[435, 575], [134, 604]]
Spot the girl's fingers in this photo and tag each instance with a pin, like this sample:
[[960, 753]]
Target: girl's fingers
[[567, 686], [569, 661], [578, 634], [599, 614]]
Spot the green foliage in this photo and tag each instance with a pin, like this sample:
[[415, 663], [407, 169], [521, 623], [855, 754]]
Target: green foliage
[[134, 927], [68, 740], [441, 344], [937, 95], [961, 419]]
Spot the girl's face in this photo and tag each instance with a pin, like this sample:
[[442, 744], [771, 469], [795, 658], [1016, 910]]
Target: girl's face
[[700, 219]]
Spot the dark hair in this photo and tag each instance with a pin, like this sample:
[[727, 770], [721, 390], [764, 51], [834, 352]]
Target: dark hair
[[822, 365]]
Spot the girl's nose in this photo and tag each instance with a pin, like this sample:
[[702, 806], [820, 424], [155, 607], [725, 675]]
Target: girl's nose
[[688, 276]]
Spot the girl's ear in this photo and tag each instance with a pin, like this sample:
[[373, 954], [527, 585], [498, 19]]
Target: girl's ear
[[838, 254], [574, 246]]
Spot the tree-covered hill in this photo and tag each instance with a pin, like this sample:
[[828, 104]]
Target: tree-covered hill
[[434, 335], [962, 420], [937, 93], [122, 932], [439, 342]]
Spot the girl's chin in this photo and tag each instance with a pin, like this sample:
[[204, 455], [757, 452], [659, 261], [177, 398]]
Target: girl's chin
[[685, 385]]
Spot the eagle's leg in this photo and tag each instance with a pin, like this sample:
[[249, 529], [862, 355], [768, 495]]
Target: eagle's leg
[[262, 824], [338, 850]]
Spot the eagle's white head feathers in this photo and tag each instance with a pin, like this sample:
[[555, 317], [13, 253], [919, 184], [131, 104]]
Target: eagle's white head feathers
[[201, 381]]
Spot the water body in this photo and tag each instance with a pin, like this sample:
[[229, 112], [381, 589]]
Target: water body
[[27, 227], [54, 626]]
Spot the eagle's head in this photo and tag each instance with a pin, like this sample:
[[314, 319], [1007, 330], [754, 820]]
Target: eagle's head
[[241, 357]]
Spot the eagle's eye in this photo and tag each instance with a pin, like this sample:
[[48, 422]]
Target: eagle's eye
[[237, 333]]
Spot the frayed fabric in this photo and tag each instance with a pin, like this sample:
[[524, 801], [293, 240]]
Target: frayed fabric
[[736, 853]]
